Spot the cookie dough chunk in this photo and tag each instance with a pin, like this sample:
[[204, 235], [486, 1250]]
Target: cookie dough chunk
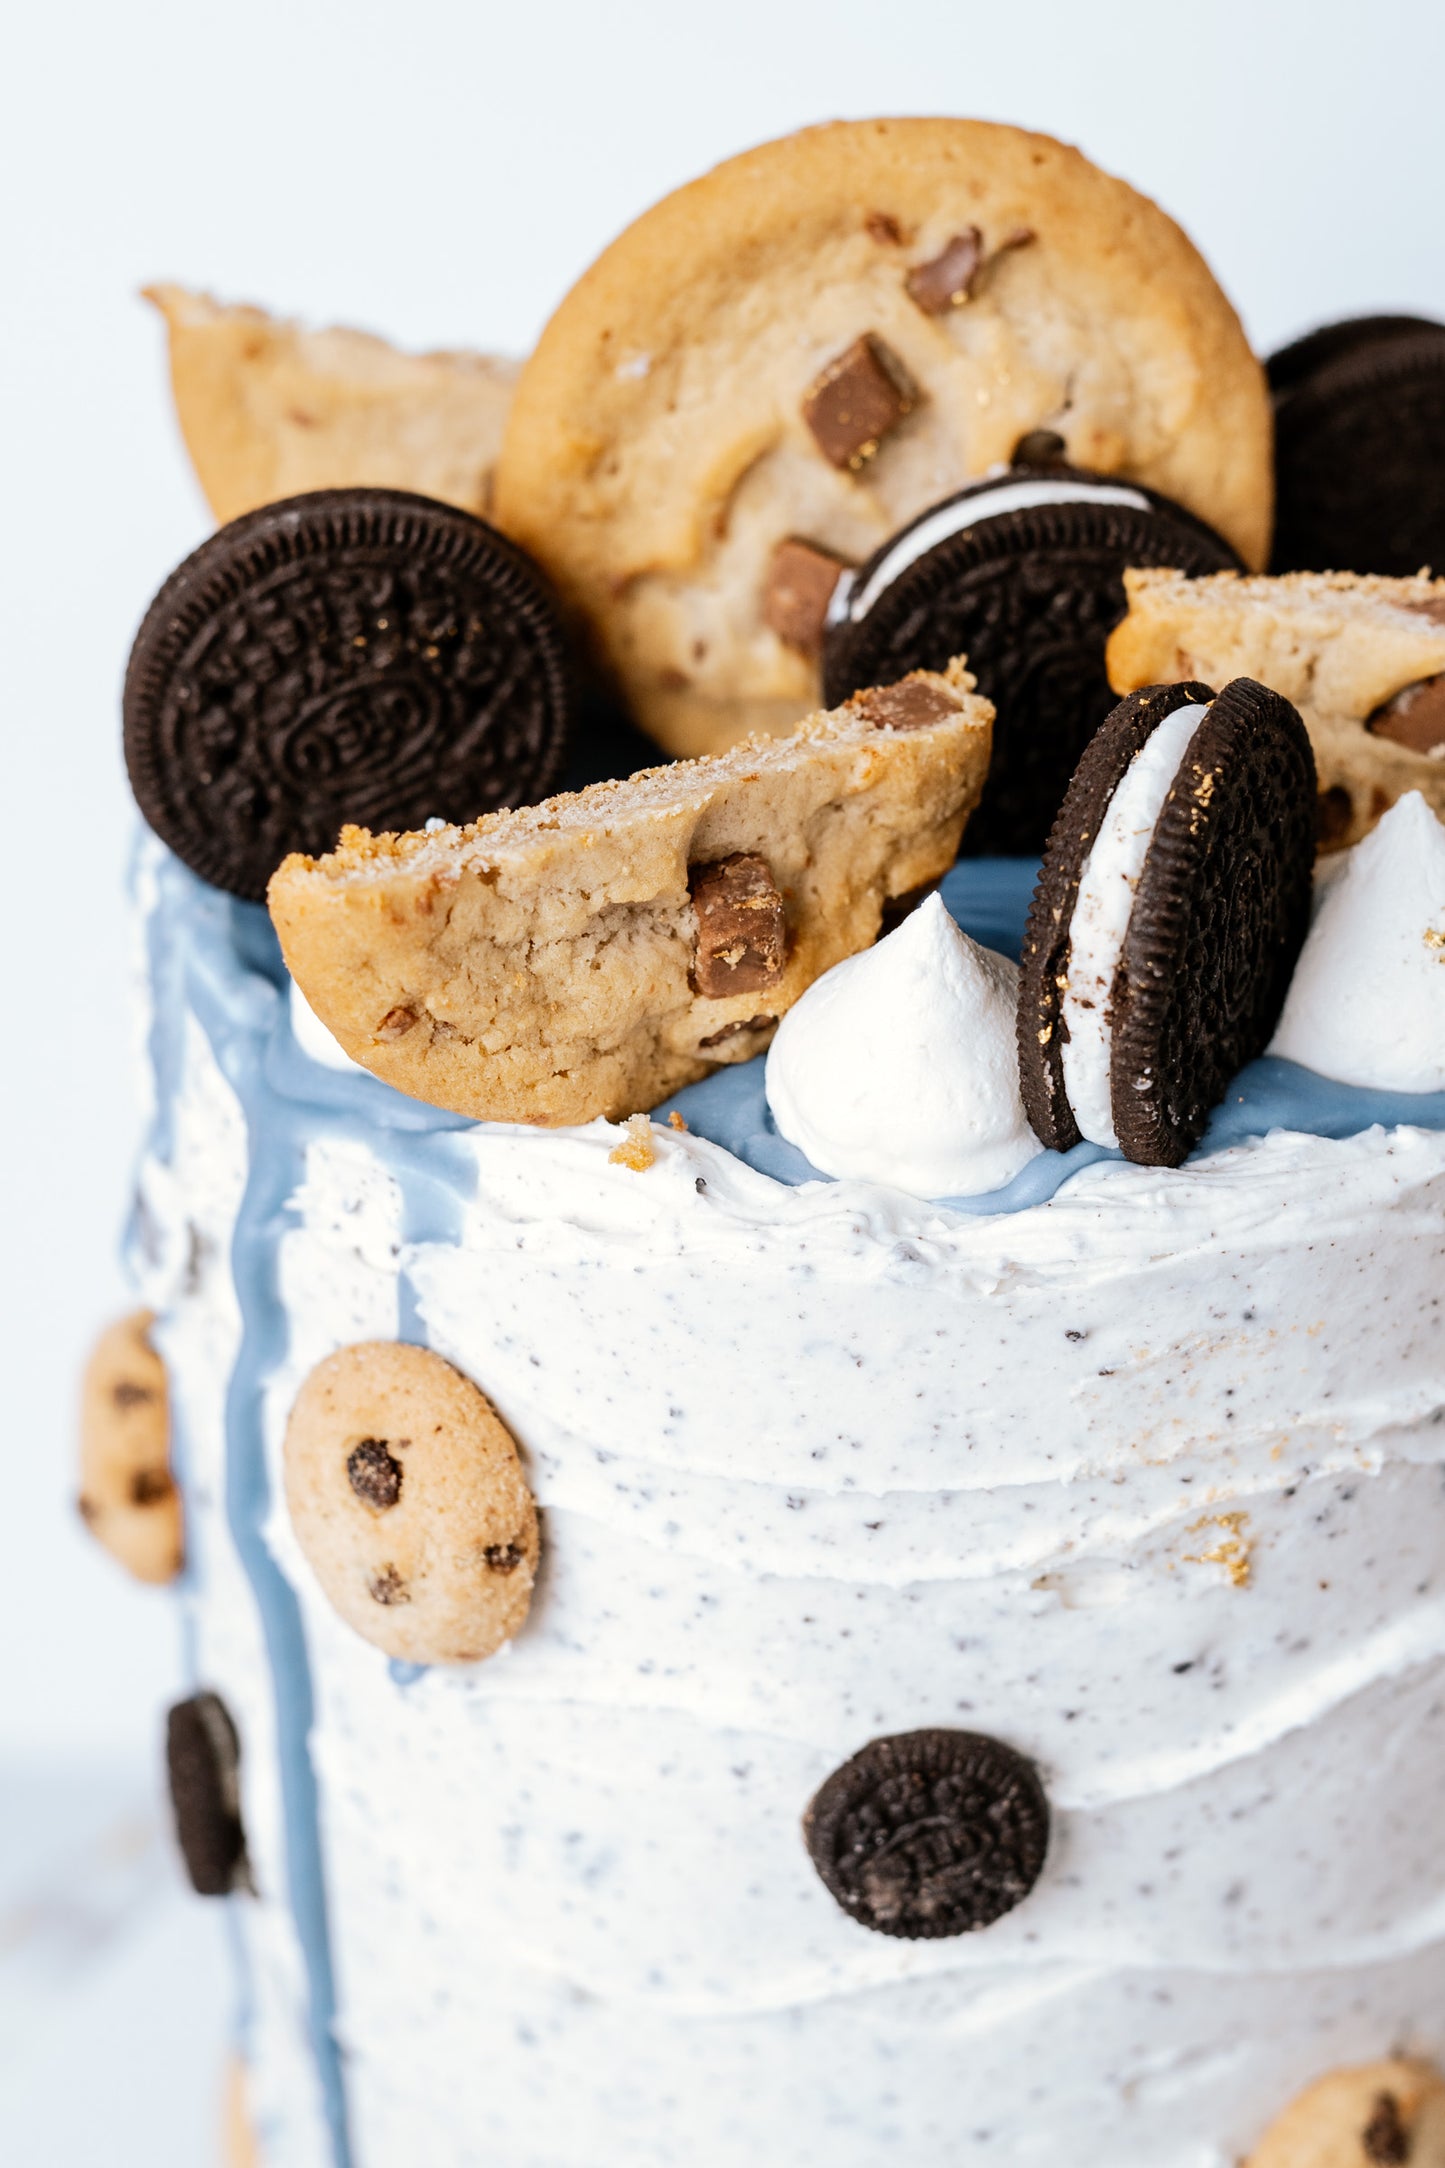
[[1381, 2115], [128, 1497], [269, 409], [409, 1501], [1362, 658], [590, 955], [824, 337]]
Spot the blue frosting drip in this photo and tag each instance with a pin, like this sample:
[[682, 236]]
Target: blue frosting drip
[[989, 898]]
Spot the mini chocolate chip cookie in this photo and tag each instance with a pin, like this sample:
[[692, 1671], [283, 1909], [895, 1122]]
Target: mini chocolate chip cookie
[[781, 365], [128, 1496], [408, 1498], [1389, 2114], [1362, 658]]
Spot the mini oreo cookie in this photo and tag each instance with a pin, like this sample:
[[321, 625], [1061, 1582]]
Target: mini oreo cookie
[[930, 1833], [1024, 575], [1148, 981], [355, 655], [1360, 447], [203, 1761]]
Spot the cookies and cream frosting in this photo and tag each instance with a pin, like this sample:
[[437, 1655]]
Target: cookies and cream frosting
[[1143, 1481]]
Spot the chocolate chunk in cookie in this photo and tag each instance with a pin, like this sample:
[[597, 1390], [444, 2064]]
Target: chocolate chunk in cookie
[[930, 1833], [946, 280], [591, 955], [203, 1762], [1025, 576], [801, 582], [1414, 717], [128, 1497], [408, 1498], [742, 928], [857, 400], [353, 655], [1389, 2114], [1170, 908], [1360, 448]]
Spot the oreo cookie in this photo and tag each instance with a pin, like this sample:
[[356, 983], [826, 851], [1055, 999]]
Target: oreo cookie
[[1023, 574], [930, 1833], [1360, 447], [203, 1762], [1171, 905], [355, 655]]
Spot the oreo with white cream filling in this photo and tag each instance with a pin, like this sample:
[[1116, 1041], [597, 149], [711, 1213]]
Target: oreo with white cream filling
[[1171, 905], [1022, 573]]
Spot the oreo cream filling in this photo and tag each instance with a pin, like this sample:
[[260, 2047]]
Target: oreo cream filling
[[852, 603], [1100, 923]]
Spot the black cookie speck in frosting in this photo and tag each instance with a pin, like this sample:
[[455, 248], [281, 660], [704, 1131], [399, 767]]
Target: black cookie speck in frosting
[[1029, 593], [1044, 960], [203, 1763], [1360, 447], [355, 655], [1220, 911], [930, 1833]]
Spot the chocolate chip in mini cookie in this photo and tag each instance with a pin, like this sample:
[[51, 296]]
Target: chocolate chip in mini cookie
[[857, 400], [1025, 576], [203, 1760], [356, 655], [930, 1833], [742, 930], [1040, 448], [1131, 1038], [912, 704], [407, 1497], [801, 580], [374, 1474], [1415, 718], [1360, 448], [1384, 2139]]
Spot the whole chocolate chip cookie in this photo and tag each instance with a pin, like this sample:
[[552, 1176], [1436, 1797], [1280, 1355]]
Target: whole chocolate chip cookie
[[779, 366]]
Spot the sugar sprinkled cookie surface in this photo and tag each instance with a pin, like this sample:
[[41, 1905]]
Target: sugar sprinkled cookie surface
[[593, 954], [823, 337]]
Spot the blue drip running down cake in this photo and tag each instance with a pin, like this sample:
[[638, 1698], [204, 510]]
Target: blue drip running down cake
[[812, 1471]]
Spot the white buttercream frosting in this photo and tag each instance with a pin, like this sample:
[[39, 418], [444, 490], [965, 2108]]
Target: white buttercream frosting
[[900, 1065], [1100, 924], [1367, 1001]]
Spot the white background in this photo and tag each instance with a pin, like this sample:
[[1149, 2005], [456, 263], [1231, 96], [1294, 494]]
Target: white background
[[439, 170]]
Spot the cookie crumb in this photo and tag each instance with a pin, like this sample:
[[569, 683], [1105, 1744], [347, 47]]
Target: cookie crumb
[[636, 1149], [675, 1121], [1231, 1552]]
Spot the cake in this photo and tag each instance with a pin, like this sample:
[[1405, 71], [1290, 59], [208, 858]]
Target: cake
[[777, 1567]]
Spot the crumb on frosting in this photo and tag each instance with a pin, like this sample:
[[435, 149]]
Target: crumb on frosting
[[636, 1149]]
